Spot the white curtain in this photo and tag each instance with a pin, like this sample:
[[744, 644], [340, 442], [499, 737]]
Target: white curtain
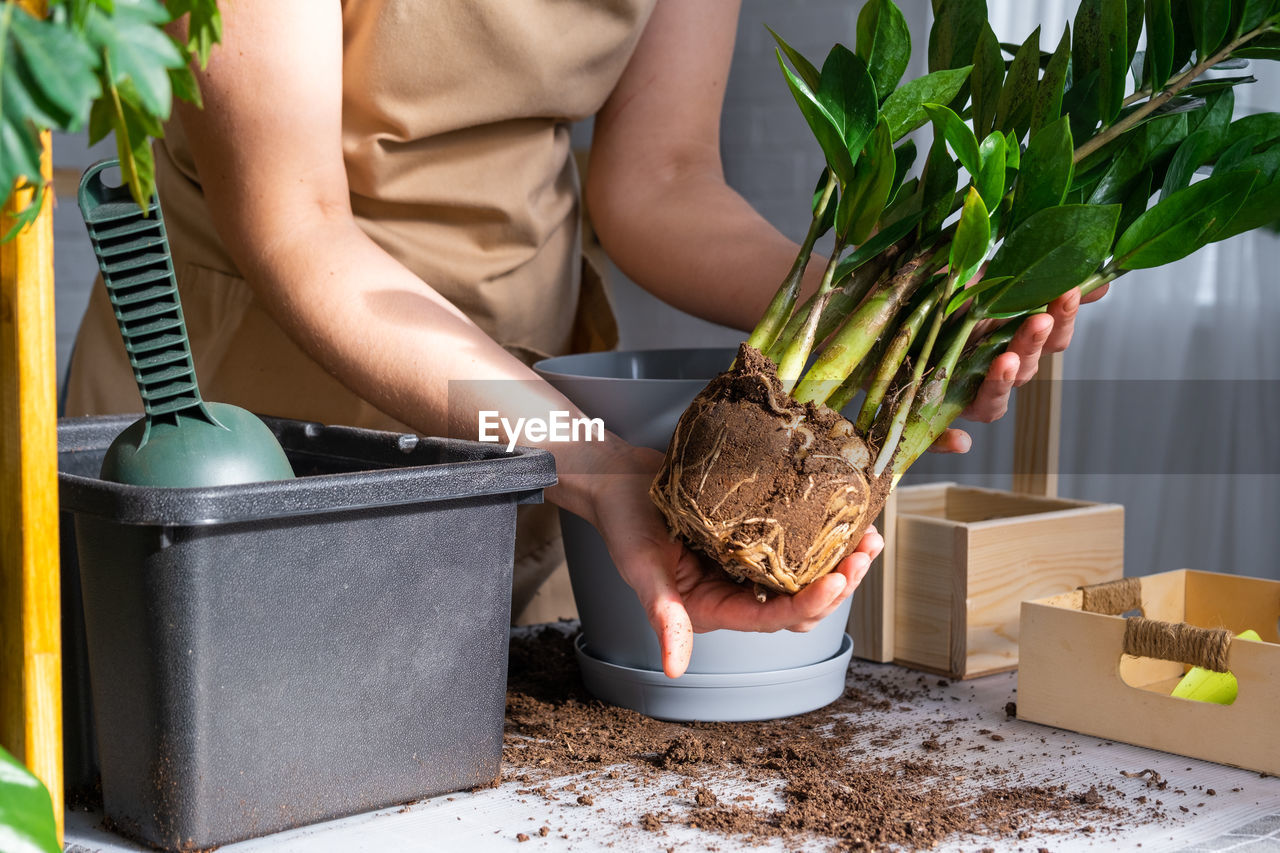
[[1172, 397]]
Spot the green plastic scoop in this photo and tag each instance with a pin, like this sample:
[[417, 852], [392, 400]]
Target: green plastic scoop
[[182, 440]]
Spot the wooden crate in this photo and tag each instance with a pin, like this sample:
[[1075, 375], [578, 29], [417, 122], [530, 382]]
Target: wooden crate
[[960, 562], [1075, 673]]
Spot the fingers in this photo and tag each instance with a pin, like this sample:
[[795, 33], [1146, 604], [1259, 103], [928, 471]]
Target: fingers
[[1063, 310], [952, 441], [665, 609], [993, 395], [1029, 341]]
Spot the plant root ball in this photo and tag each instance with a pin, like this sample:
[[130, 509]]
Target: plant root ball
[[774, 491]]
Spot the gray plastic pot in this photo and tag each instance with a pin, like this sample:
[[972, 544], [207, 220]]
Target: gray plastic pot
[[640, 395]]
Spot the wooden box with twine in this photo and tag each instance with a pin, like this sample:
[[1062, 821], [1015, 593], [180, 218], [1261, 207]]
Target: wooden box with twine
[[962, 560], [1103, 661]]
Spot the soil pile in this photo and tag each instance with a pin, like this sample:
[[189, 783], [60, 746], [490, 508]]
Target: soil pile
[[841, 776]]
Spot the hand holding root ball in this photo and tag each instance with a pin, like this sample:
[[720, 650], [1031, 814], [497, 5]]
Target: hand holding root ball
[[681, 593]]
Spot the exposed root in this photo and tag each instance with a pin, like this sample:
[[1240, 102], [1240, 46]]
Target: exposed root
[[775, 491]]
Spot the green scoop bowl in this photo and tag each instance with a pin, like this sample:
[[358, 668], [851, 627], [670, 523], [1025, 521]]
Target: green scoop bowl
[[181, 441]]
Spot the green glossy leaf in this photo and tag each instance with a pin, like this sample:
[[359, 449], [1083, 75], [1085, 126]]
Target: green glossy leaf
[[990, 180], [804, 68], [869, 192], [26, 810], [1255, 12], [1183, 222], [957, 24], [847, 93], [1272, 53], [1261, 209], [883, 239], [973, 235], [884, 43], [985, 285], [1133, 27], [937, 186], [1080, 103], [183, 82], [1159, 59], [1184, 40], [986, 80], [1101, 41], [1207, 87], [822, 125], [1196, 150], [1266, 126], [1215, 118], [1017, 97], [1048, 254], [1209, 22], [904, 108], [1235, 155], [1046, 172], [952, 128], [1013, 154], [1117, 180], [1135, 204], [1048, 103], [1266, 163], [904, 158]]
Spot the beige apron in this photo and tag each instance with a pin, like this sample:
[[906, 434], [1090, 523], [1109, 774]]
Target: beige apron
[[456, 140]]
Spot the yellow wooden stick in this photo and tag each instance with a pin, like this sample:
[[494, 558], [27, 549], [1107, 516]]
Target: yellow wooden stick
[[30, 624]]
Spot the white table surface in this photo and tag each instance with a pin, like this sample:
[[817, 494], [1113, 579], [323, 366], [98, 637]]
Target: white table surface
[[1244, 815]]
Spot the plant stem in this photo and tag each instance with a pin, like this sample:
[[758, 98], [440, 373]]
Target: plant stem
[[1171, 88], [894, 356], [855, 338], [849, 294], [917, 375], [930, 422], [779, 310], [797, 352], [858, 378]]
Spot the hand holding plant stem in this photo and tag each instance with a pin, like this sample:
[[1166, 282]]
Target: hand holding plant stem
[[1069, 183]]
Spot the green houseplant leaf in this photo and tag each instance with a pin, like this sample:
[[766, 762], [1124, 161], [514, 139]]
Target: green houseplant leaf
[[804, 68], [1209, 21], [987, 80], [884, 43], [1183, 222], [904, 108], [1046, 172], [861, 205], [1101, 41], [1196, 150], [1048, 103], [937, 186], [973, 236], [1051, 252], [1017, 97], [957, 25], [950, 127], [990, 180], [848, 94], [26, 810], [821, 124], [1159, 60]]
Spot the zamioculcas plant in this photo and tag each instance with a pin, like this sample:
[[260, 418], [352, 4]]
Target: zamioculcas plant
[[1071, 178]]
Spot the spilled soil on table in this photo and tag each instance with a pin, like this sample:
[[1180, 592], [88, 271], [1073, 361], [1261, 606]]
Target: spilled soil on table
[[839, 777]]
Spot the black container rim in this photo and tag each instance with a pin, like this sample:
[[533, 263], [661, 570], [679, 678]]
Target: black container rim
[[480, 470]]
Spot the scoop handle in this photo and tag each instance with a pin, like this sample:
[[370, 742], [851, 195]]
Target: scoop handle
[[133, 255]]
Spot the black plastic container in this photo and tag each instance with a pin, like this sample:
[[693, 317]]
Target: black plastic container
[[274, 654]]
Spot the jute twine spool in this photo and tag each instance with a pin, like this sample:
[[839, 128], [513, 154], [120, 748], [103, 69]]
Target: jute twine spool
[[1113, 597]]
